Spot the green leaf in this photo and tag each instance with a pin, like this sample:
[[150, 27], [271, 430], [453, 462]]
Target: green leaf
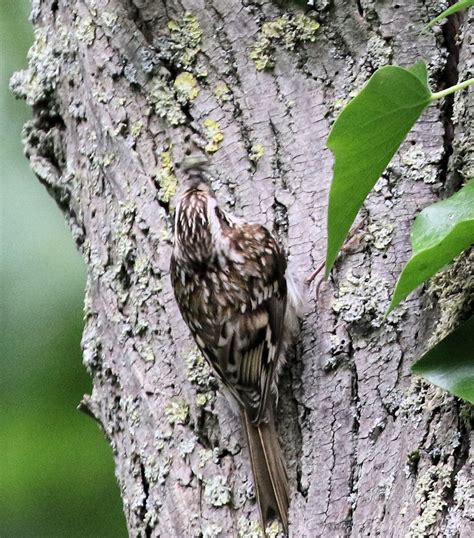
[[462, 4], [439, 233], [420, 72], [365, 137], [450, 364]]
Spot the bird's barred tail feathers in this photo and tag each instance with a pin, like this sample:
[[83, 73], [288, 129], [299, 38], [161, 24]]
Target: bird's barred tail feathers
[[270, 477]]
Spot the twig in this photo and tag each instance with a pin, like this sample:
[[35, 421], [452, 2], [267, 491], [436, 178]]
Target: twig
[[350, 241]]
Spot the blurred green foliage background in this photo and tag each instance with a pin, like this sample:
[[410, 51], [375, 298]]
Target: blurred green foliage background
[[56, 468]]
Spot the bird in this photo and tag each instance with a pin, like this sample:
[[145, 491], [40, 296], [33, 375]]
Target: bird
[[241, 304]]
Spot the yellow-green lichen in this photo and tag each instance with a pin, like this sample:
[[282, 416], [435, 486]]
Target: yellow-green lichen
[[214, 135], [144, 277], [165, 235], [136, 129], [177, 412], [166, 178], [288, 31], [274, 529], [257, 151], [186, 37], [180, 49], [306, 28], [275, 29], [86, 31], [164, 102], [222, 92], [249, 529], [200, 374], [203, 398], [103, 161], [186, 87], [217, 490]]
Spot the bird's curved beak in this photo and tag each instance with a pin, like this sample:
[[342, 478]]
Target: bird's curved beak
[[193, 161]]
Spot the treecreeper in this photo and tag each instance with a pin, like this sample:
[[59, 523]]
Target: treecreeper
[[241, 304]]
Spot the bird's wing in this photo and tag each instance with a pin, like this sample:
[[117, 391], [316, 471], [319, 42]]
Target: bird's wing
[[244, 349]]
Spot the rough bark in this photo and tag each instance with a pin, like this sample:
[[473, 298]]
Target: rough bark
[[371, 450]]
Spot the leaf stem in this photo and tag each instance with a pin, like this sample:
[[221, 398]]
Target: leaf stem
[[452, 89]]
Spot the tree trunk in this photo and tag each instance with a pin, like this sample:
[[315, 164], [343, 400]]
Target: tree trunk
[[371, 450]]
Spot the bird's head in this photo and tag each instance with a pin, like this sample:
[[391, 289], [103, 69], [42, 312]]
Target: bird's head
[[194, 210], [193, 173]]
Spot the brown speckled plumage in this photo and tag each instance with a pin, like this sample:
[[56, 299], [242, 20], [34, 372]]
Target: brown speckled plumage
[[229, 279]]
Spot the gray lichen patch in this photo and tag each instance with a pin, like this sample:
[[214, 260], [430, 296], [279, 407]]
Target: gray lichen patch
[[340, 345], [162, 438], [131, 407], [151, 465], [186, 446], [109, 18], [463, 507], [378, 52], [431, 493], [148, 281], [288, 31], [462, 160], [217, 491], [364, 300], [145, 351], [45, 59], [201, 376], [212, 531], [164, 470], [417, 165], [453, 290], [205, 456], [125, 242], [379, 234], [413, 405]]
